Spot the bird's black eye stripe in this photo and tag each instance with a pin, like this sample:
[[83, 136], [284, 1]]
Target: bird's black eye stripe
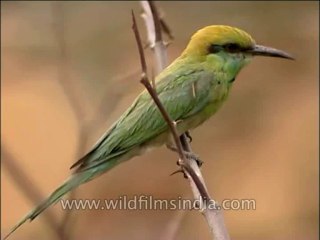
[[228, 47], [214, 48], [232, 47]]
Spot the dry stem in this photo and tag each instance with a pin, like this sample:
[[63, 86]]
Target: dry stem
[[213, 216]]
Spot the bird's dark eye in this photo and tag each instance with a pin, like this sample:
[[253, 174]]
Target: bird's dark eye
[[228, 47], [232, 47], [214, 48]]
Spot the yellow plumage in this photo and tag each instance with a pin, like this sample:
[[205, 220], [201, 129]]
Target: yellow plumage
[[217, 34]]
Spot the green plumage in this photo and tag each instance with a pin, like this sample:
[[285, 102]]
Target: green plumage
[[191, 89], [189, 96]]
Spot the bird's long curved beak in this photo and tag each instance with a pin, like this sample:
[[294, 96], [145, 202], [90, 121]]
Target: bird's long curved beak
[[259, 50]]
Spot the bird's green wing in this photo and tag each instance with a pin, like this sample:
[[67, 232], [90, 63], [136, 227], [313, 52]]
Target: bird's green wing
[[101, 143], [182, 94]]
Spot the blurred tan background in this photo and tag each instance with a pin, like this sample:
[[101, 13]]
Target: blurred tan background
[[70, 69]]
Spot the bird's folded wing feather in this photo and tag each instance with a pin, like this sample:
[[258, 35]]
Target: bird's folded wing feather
[[183, 95]]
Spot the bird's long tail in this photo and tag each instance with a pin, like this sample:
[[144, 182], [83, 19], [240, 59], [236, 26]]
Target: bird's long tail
[[74, 181]]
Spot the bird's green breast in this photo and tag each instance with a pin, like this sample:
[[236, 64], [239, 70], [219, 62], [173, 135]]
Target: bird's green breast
[[218, 94]]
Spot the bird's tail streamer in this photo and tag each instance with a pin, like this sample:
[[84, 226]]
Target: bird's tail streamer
[[73, 182]]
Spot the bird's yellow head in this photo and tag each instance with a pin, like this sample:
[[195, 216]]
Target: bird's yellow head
[[227, 44], [204, 40]]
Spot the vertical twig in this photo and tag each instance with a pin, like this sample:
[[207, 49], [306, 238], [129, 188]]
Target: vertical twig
[[153, 26], [213, 216]]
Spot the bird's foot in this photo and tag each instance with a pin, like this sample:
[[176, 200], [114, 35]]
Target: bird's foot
[[199, 161], [189, 155], [188, 135], [193, 156]]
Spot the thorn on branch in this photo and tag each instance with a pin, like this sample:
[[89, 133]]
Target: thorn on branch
[[167, 43], [179, 171]]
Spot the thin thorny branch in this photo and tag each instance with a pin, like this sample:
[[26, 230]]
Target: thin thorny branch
[[153, 24], [214, 217], [172, 124], [180, 148]]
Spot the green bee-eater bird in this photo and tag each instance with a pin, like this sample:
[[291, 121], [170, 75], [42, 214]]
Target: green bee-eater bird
[[191, 89]]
